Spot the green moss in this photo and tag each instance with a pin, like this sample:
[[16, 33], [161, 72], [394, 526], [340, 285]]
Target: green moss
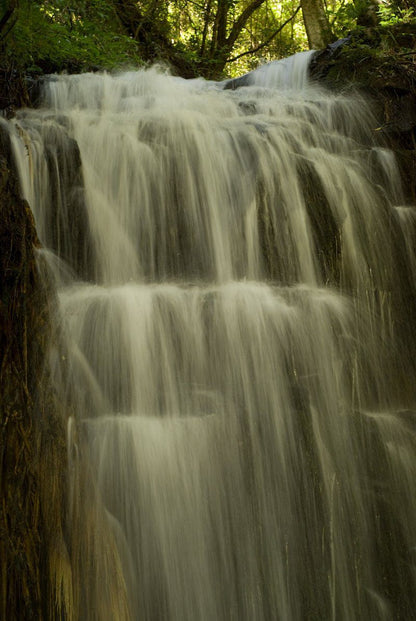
[[375, 58]]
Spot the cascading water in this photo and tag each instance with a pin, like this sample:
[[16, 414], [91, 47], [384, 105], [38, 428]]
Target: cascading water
[[236, 281]]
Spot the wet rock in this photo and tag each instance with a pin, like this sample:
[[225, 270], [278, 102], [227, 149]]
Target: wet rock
[[380, 63], [32, 435]]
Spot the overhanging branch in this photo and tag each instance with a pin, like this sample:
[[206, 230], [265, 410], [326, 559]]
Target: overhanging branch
[[241, 21], [268, 40]]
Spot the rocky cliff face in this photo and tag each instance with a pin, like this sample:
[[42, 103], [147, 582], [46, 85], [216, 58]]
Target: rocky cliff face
[[42, 565], [381, 64], [32, 436]]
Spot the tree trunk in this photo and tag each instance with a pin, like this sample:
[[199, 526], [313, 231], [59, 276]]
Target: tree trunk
[[221, 44], [151, 36], [316, 23]]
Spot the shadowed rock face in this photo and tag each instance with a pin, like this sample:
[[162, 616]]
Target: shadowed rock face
[[37, 555], [14, 91], [23, 334], [380, 63]]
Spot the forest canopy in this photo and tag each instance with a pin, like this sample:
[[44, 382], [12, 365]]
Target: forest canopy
[[212, 38]]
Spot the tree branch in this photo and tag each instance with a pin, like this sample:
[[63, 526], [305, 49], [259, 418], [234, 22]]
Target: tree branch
[[7, 15], [268, 40], [206, 25], [241, 21], [3, 35]]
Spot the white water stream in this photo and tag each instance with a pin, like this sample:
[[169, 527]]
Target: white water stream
[[236, 276]]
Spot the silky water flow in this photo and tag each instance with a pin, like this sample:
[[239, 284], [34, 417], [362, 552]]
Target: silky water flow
[[236, 279]]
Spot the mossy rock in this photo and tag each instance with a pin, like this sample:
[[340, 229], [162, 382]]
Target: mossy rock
[[379, 63]]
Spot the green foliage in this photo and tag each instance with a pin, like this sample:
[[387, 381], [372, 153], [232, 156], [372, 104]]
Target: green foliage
[[57, 35], [267, 21], [393, 13], [195, 25], [343, 17], [346, 16], [193, 35]]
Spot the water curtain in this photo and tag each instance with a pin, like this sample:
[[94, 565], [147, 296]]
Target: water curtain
[[236, 279]]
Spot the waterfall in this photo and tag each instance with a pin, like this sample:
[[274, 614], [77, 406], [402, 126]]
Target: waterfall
[[236, 272]]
